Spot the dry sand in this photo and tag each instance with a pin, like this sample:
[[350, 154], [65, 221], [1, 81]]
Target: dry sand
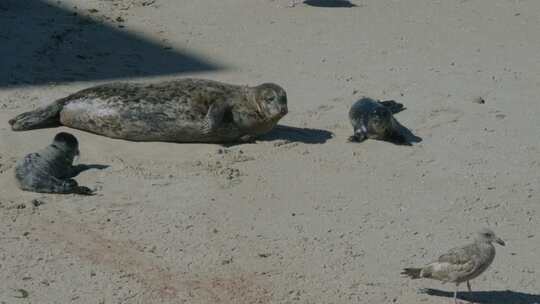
[[301, 216]]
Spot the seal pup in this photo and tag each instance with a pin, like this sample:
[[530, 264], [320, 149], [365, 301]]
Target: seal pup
[[373, 119], [460, 264], [184, 110], [51, 169]]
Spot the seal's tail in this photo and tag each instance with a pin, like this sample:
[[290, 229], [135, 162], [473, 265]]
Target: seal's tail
[[413, 273], [44, 117]]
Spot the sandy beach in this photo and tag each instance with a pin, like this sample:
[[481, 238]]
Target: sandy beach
[[301, 215]]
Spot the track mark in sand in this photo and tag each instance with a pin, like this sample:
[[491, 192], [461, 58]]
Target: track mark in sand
[[243, 288], [222, 166], [439, 117], [319, 111], [87, 244], [6, 163], [119, 256]]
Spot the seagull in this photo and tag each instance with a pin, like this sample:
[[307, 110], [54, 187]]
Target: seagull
[[460, 264]]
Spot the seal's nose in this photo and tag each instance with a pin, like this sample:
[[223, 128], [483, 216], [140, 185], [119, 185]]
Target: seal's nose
[[284, 110]]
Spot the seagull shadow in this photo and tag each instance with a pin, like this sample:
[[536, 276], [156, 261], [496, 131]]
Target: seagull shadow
[[488, 297], [329, 3], [294, 134], [78, 169]]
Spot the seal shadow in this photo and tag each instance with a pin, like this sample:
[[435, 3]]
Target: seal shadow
[[78, 169], [396, 107], [410, 137], [488, 297], [329, 3], [295, 134]]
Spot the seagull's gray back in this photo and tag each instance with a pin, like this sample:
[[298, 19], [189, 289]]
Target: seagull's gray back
[[461, 264]]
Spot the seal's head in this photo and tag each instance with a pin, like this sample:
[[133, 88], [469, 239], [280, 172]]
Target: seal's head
[[488, 236], [380, 121], [271, 101], [67, 143]]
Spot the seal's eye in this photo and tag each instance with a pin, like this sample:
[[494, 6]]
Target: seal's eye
[[270, 98], [381, 113]]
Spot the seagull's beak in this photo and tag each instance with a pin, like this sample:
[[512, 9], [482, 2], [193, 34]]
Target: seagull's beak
[[499, 241]]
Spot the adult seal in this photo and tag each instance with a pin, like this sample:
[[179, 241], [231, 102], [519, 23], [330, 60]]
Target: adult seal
[[185, 110], [51, 169], [374, 119]]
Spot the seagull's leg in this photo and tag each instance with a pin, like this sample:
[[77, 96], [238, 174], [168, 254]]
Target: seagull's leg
[[455, 294], [470, 290]]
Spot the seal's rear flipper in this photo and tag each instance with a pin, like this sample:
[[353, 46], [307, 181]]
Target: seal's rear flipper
[[398, 138], [393, 106], [44, 117]]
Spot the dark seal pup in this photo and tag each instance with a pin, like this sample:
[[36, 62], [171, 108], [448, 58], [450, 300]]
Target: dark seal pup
[[374, 119], [50, 170], [185, 110]]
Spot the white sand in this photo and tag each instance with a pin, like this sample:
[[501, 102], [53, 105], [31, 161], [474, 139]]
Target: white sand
[[289, 220]]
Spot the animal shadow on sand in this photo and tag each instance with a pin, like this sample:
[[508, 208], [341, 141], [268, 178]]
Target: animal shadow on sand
[[53, 43], [78, 169], [294, 134], [410, 138], [329, 3], [488, 297]]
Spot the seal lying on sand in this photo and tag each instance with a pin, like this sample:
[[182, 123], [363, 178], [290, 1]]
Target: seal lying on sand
[[185, 110], [373, 119], [50, 170]]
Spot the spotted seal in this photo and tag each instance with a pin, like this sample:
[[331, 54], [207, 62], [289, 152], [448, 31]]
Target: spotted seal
[[184, 110], [374, 119], [51, 169]]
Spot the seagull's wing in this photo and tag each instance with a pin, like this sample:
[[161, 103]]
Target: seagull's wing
[[458, 255], [457, 263]]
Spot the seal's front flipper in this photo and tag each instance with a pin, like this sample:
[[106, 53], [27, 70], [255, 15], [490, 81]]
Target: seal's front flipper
[[393, 106], [214, 117], [45, 183], [44, 117], [359, 136], [82, 190], [248, 139], [70, 186]]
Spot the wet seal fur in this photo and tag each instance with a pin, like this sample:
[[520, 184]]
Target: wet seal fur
[[184, 110], [374, 119], [51, 169]]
